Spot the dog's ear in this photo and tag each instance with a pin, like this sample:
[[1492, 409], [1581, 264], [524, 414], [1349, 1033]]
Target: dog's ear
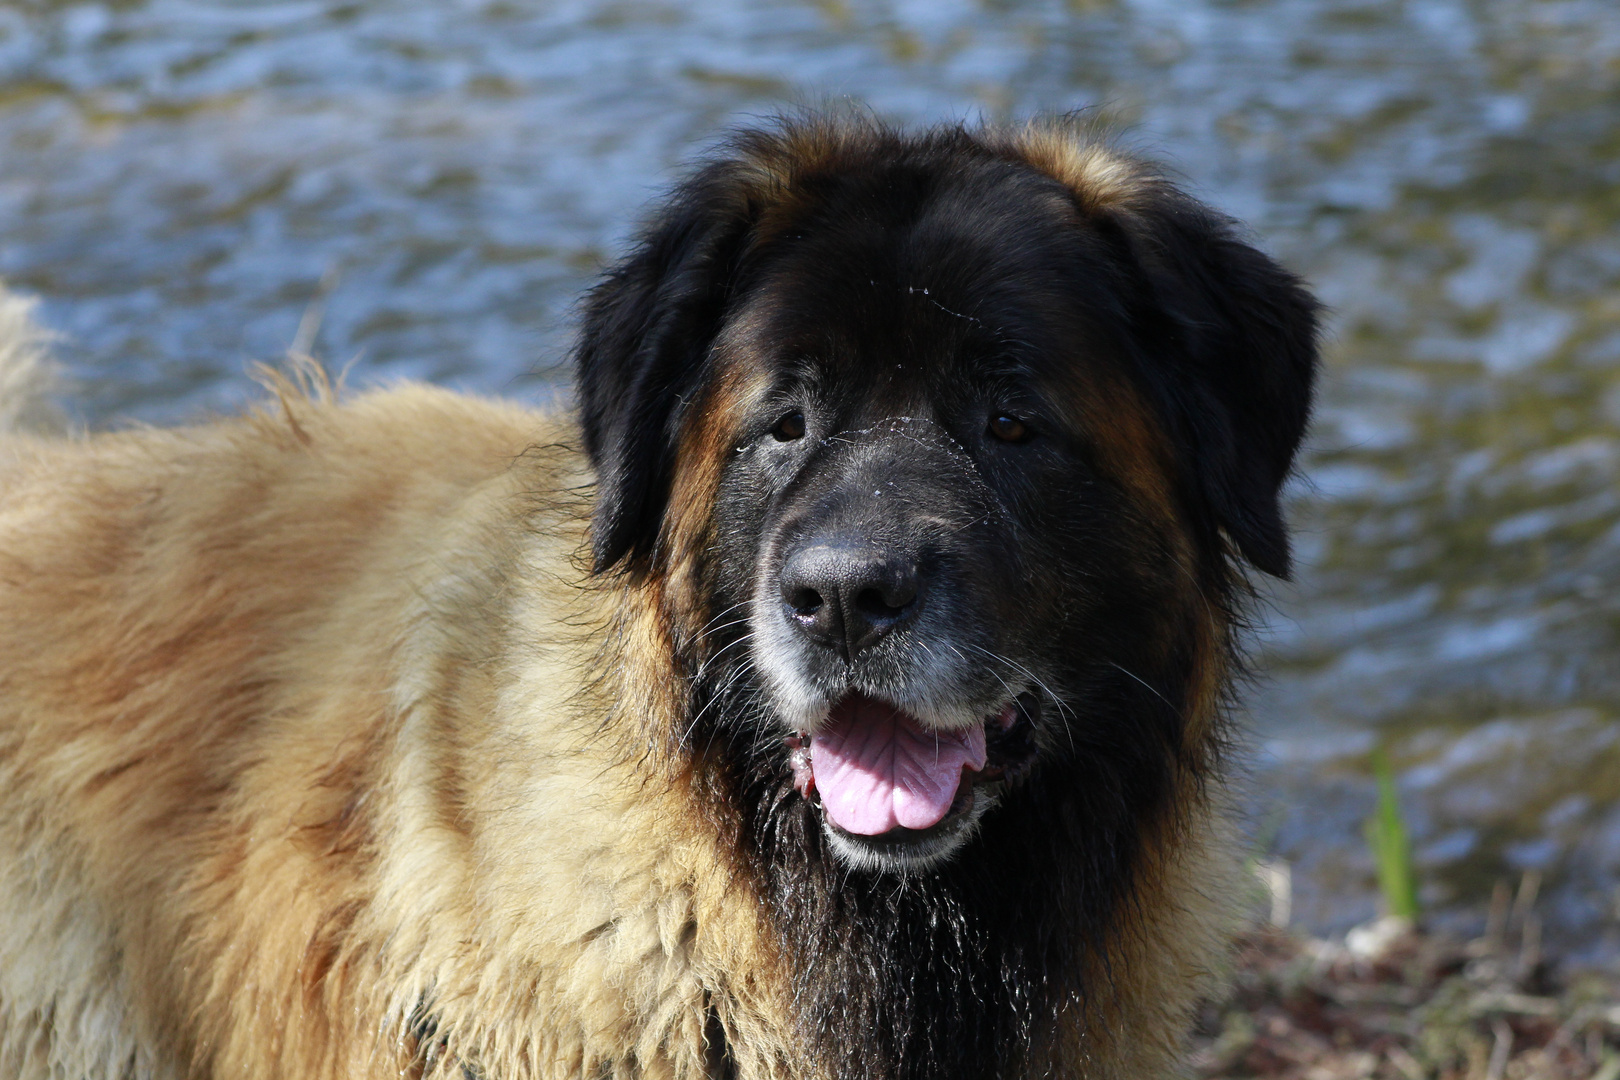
[[1232, 343], [647, 330]]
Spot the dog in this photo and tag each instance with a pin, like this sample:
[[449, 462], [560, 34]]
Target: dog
[[840, 691]]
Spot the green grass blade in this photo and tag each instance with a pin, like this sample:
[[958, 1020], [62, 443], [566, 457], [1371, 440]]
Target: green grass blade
[[1391, 850]]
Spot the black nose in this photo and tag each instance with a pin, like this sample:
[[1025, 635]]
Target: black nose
[[848, 596]]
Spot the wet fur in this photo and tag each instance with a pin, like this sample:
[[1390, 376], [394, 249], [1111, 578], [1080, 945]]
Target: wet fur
[[398, 736]]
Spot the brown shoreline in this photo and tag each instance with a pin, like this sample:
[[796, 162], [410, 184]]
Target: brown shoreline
[[1397, 1003]]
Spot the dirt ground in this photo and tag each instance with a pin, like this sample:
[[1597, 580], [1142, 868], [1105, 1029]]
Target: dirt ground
[[1393, 1002]]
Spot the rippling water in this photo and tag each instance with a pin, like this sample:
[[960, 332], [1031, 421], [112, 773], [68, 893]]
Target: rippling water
[[426, 185]]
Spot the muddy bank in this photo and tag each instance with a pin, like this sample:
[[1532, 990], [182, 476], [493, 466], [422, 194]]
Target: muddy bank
[[1393, 1003]]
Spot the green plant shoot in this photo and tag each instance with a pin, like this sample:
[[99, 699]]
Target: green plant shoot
[[1386, 839]]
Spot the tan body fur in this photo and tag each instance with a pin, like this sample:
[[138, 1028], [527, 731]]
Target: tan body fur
[[306, 721], [295, 736]]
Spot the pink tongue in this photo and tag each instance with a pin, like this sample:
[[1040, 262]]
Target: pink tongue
[[877, 768]]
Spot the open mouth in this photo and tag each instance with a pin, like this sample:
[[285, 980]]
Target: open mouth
[[891, 787]]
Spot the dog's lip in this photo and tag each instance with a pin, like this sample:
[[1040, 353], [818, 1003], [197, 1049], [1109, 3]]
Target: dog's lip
[[1010, 747], [1011, 752]]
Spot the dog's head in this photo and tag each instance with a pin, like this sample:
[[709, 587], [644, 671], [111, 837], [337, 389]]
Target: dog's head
[[949, 445]]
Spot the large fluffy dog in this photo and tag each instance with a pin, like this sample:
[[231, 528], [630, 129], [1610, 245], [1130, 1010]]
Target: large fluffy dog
[[852, 706]]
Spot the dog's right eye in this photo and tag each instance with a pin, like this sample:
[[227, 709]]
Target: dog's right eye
[[1009, 428], [790, 427]]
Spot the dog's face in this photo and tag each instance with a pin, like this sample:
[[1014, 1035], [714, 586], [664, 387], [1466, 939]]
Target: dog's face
[[946, 450], [925, 498]]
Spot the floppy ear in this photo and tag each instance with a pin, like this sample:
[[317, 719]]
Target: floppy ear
[[1235, 343], [648, 327]]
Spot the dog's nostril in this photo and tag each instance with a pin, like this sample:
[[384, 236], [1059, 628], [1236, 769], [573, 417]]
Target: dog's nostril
[[805, 601], [884, 604]]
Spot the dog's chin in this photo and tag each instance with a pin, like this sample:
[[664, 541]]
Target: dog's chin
[[912, 851]]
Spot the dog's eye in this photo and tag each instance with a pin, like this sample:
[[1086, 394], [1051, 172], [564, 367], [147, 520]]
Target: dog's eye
[[790, 427], [1008, 428]]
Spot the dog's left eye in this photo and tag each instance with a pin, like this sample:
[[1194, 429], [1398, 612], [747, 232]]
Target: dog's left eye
[[790, 427], [1008, 428]]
